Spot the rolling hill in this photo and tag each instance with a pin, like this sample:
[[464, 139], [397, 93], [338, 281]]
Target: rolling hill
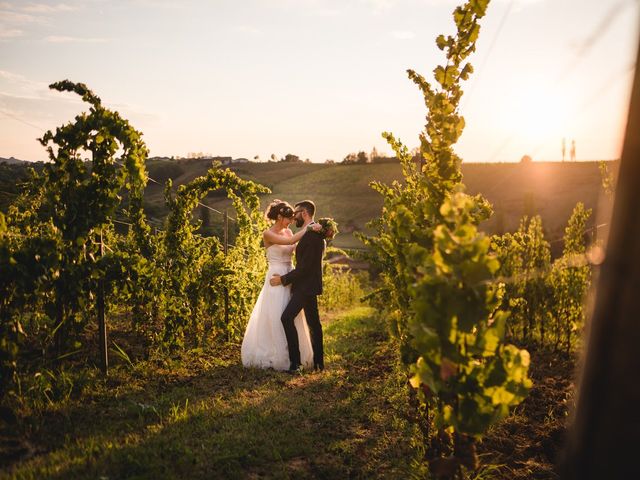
[[550, 189]]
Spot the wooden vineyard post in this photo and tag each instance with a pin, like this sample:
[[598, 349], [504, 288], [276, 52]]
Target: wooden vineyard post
[[102, 324], [226, 249], [603, 436]]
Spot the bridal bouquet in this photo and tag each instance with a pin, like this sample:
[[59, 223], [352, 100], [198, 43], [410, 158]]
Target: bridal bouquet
[[329, 228]]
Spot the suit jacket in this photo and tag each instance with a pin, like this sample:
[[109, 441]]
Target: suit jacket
[[306, 278]]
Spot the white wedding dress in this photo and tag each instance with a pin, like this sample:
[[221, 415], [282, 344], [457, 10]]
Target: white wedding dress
[[264, 344]]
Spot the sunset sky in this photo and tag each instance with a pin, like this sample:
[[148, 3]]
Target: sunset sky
[[318, 78]]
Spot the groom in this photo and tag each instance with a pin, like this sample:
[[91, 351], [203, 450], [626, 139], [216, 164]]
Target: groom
[[306, 285]]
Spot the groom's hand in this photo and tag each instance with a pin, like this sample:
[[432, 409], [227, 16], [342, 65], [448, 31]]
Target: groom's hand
[[275, 280]]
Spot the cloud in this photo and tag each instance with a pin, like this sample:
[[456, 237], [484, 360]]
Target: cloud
[[10, 33], [38, 106], [45, 8], [67, 39], [13, 17], [403, 35], [20, 81], [20, 88], [171, 4], [16, 16], [32, 103]]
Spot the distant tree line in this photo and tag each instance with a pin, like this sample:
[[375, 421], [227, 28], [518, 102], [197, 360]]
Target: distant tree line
[[364, 157], [288, 158]]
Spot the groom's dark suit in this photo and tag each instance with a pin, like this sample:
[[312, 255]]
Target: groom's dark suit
[[306, 285]]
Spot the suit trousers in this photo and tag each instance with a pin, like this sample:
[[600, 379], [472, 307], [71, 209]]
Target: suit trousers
[[308, 303]]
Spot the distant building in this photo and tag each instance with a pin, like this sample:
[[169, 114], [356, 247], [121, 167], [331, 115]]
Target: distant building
[[240, 160]]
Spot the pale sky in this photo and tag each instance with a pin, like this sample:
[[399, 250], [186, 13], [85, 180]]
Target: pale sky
[[318, 78]]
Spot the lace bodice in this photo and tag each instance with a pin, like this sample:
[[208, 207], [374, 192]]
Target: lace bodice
[[279, 254]]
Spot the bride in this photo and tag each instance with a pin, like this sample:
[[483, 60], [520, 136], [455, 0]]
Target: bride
[[264, 344]]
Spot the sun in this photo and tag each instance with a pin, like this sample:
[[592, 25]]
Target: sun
[[540, 113]]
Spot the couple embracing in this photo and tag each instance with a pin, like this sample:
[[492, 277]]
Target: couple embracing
[[284, 330]]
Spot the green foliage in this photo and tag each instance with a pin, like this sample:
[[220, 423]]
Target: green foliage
[[341, 287], [569, 281], [546, 299], [50, 251], [459, 330], [608, 181], [525, 259], [59, 249], [196, 268], [438, 271]]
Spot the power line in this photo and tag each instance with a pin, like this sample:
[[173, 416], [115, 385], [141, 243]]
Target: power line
[[199, 203], [121, 222], [603, 26], [486, 57], [584, 106], [595, 227], [150, 179], [587, 104], [18, 119], [593, 39]]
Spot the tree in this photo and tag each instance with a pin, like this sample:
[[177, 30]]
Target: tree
[[374, 155], [362, 157], [291, 158], [350, 158]]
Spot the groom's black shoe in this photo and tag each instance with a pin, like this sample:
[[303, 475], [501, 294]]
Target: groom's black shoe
[[318, 366], [293, 369]]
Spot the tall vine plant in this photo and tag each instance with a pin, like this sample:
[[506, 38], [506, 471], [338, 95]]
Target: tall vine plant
[[201, 279], [439, 274], [174, 282], [92, 161], [525, 259], [50, 259], [569, 282]]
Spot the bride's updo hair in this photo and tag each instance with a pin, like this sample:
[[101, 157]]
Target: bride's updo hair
[[278, 207]]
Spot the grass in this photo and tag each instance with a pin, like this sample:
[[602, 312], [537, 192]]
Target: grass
[[205, 416]]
